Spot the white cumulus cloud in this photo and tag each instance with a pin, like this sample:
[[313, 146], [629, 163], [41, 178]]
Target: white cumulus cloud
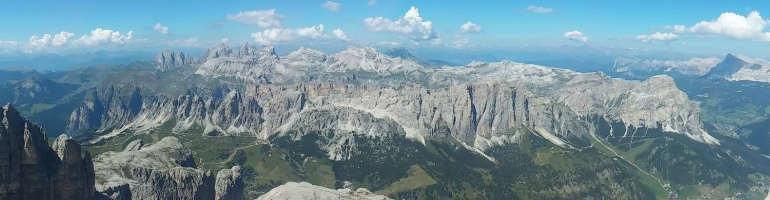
[[411, 23], [160, 28], [678, 29], [261, 18], [734, 26], [332, 6], [657, 36], [469, 27], [461, 43], [311, 32], [576, 36], [538, 9], [340, 34], [61, 38], [272, 36], [372, 3], [47, 40], [9, 46], [100, 36], [280, 35], [40, 41]]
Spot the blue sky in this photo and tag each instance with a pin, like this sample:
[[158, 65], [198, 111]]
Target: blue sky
[[501, 25]]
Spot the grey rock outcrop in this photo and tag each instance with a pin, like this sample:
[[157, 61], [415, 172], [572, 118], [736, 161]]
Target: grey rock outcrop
[[75, 176], [304, 190], [108, 108], [31, 170], [229, 184], [221, 50], [167, 60], [163, 170], [134, 145]]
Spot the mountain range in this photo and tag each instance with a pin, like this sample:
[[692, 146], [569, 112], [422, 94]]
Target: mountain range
[[359, 120]]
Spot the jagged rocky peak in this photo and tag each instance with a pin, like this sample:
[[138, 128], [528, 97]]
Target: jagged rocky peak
[[729, 66], [370, 60], [31, 170], [246, 64], [401, 52], [267, 53], [246, 50], [306, 53], [305, 59], [362, 52], [304, 190], [221, 50], [742, 68], [170, 59]]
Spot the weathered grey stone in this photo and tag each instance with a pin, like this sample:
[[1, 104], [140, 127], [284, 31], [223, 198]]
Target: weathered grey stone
[[75, 176], [167, 60], [163, 170], [134, 145], [304, 190], [229, 185], [31, 170]]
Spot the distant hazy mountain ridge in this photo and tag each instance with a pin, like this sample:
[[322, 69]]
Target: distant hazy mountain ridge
[[694, 66], [742, 68]]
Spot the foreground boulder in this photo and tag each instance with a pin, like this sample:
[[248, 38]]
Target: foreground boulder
[[31, 170]]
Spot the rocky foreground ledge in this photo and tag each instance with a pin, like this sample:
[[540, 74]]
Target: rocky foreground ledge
[[304, 190], [31, 170], [163, 170]]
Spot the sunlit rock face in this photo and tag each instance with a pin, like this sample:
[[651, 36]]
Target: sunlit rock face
[[163, 170], [293, 190], [359, 91]]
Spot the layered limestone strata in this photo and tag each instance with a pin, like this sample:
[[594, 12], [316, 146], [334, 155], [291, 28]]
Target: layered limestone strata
[[481, 105]]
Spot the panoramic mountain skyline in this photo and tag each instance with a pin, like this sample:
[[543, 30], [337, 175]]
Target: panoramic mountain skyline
[[376, 99], [706, 28]]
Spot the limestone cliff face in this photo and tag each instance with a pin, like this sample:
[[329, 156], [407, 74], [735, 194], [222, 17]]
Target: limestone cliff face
[[111, 107], [164, 170], [229, 184], [32, 170], [167, 60], [483, 104], [75, 176]]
